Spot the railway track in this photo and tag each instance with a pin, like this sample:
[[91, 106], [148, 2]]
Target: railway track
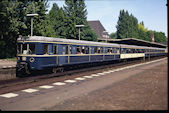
[[47, 78]]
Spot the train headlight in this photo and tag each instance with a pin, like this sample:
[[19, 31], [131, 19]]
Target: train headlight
[[23, 58], [31, 59], [18, 58]]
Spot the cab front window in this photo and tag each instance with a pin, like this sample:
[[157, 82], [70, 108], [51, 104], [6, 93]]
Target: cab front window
[[26, 48], [19, 48], [31, 49]]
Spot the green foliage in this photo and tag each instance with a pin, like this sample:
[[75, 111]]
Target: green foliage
[[14, 22], [60, 22], [159, 37], [77, 13], [113, 35], [128, 27], [141, 27], [11, 23], [56, 22]]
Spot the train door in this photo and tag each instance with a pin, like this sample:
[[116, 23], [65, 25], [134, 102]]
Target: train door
[[55, 52]]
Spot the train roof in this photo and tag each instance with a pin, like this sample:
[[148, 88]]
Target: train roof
[[139, 47], [135, 41], [72, 41]]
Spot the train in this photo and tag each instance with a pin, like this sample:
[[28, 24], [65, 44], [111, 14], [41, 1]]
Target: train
[[39, 52]]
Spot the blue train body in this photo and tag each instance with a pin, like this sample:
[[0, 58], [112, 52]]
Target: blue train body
[[38, 53]]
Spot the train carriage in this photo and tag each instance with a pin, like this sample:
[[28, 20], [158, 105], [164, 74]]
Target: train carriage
[[38, 52], [131, 51]]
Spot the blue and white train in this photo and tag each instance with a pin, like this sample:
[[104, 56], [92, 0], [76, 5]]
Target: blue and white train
[[38, 52]]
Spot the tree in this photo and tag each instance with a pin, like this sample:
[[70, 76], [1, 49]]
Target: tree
[[11, 23], [14, 22], [77, 13], [133, 27], [38, 7], [141, 26], [127, 25], [159, 37], [113, 35], [122, 24]]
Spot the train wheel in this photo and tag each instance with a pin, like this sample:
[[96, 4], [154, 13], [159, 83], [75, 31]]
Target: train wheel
[[61, 70], [54, 70]]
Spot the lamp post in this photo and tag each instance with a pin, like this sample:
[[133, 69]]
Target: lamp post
[[79, 29], [32, 15]]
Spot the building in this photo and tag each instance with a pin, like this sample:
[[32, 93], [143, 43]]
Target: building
[[99, 29]]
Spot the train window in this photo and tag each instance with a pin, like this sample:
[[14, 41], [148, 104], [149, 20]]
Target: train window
[[123, 50], [24, 49], [46, 51], [90, 50], [132, 50], [99, 50], [108, 50], [70, 49], [95, 50], [67, 49], [114, 50], [127, 50], [19, 48], [111, 50], [105, 50], [55, 49], [86, 50], [138, 50], [83, 50], [78, 50], [118, 50], [135, 50], [31, 49]]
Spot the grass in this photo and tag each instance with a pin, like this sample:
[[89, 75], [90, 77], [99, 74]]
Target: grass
[[11, 59]]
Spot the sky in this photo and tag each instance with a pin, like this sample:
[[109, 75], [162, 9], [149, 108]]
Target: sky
[[152, 12]]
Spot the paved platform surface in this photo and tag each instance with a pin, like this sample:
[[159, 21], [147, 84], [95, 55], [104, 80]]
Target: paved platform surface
[[138, 87], [7, 63]]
